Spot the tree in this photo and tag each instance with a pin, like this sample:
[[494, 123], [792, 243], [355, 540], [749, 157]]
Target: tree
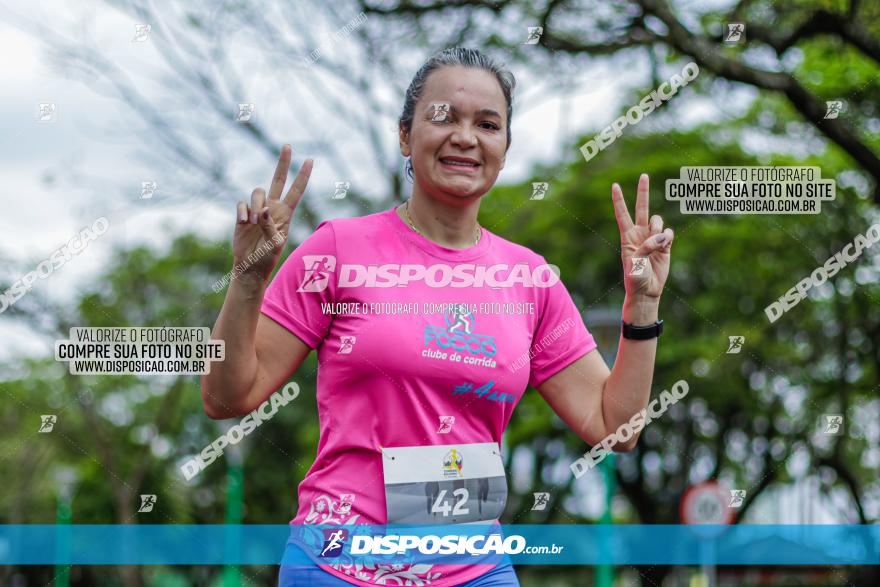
[[781, 58]]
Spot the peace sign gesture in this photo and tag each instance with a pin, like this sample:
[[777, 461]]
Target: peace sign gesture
[[261, 230], [643, 239]]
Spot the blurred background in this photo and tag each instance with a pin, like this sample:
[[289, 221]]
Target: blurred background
[[131, 111]]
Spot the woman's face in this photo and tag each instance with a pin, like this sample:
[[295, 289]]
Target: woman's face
[[457, 150]]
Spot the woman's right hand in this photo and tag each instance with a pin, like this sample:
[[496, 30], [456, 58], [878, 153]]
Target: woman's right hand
[[262, 227]]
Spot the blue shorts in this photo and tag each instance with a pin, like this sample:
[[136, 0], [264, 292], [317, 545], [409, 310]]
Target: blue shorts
[[294, 576]]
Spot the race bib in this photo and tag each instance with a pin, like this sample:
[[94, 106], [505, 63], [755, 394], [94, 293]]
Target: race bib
[[444, 484]]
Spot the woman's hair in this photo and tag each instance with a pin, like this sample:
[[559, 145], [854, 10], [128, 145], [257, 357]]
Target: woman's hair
[[460, 56]]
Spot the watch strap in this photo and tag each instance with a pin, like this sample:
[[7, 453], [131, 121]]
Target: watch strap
[[642, 332]]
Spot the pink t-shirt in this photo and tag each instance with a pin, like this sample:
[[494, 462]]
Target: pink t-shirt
[[403, 365]]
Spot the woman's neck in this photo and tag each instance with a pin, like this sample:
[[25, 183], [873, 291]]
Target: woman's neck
[[454, 227]]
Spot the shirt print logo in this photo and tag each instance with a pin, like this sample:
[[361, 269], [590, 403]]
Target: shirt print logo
[[482, 391], [458, 316], [459, 333], [318, 270]]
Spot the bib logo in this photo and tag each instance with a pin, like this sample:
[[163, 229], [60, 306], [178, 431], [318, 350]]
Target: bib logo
[[334, 541], [452, 464], [458, 334], [318, 270]]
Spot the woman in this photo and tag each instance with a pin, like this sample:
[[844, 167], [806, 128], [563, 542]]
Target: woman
[[412, 402]]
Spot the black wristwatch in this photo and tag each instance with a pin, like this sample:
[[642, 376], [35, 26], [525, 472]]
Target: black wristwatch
[[642, 332]]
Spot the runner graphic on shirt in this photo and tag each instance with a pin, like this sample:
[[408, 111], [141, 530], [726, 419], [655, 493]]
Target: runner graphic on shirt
[[460, 316], [319, 272], [460, 336]]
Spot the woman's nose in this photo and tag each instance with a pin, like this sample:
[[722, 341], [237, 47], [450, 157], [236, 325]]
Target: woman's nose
[[464, 136]]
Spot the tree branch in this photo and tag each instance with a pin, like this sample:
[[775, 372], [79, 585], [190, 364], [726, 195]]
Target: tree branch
[[820, 22], [708, 54], [848, 479], [420, 9]]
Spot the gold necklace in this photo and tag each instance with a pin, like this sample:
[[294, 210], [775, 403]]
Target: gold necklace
[[413, 226]]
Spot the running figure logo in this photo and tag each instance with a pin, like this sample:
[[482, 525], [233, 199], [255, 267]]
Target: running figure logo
[[318, 270], [541, 501], [341, 189], [148, 188], [833, 424], [345, 501], [47, 423], [147, 503], [737, 496], [638, 266], [446, 423], [346, 344], [834, 107], [334, 540], [535, 33], [736, 343], [735, 32], [141, 32], [440, 112], [458, 316], [539, 190], [46, 112], [245, 112]]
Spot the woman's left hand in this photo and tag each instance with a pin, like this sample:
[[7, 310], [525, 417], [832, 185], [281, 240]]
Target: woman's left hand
[[644, 239]]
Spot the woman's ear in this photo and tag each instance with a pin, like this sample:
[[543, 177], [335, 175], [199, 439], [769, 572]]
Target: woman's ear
[[404, 141]]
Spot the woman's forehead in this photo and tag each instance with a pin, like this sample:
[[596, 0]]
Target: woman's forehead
[[456, 85]]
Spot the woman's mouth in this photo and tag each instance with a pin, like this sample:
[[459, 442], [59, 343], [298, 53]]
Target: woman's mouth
[[459, 163]]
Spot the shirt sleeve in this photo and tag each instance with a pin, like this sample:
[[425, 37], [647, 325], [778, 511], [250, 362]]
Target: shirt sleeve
[[305, 281], [560, 336]]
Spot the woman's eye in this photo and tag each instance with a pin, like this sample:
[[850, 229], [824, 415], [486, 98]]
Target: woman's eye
[[492, 125]]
